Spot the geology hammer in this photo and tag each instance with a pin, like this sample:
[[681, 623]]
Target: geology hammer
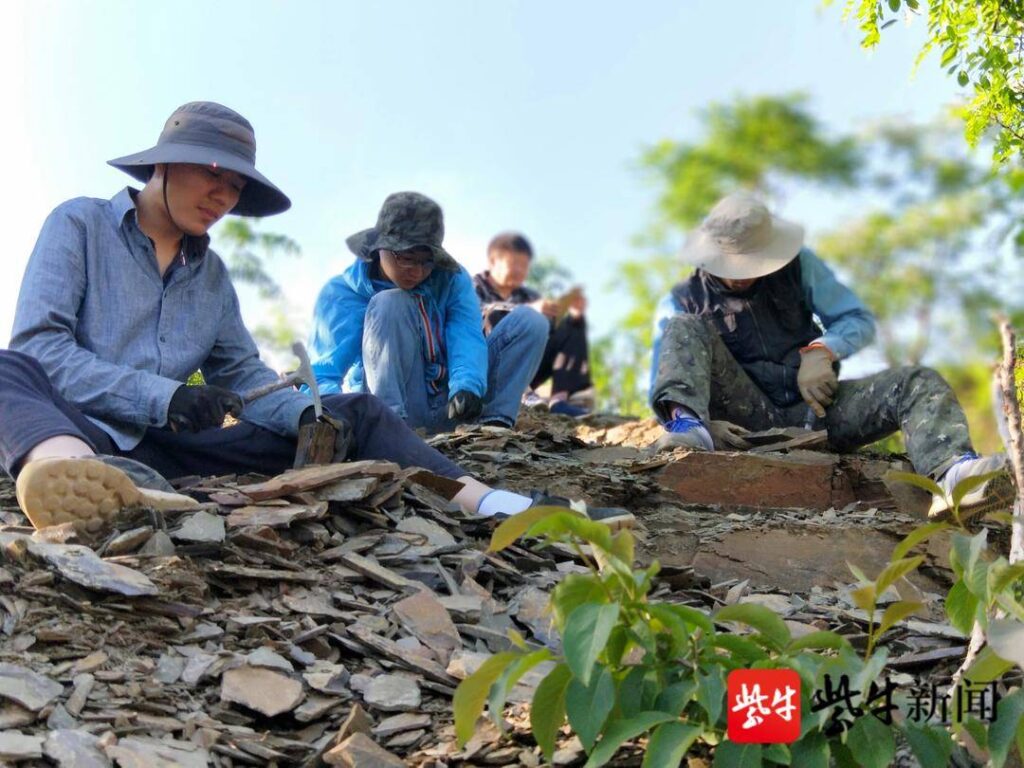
[[302, 375]]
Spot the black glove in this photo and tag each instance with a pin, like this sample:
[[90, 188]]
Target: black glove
[[201, 407], [465, 406], [343, 432]]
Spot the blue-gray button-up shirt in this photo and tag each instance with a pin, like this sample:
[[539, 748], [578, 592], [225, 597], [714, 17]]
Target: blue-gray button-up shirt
[[117, 339]]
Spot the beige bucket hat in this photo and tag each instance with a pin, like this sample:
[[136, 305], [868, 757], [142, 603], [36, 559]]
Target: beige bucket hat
[[741, 240]]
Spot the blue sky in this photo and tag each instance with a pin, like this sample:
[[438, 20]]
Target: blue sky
[[525, 115]]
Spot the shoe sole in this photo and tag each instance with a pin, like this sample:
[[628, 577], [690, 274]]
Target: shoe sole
[[996, 495], [86, 493]]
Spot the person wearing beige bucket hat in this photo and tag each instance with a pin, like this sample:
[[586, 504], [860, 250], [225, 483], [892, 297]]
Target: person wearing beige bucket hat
[[122, 300], [753, 340]]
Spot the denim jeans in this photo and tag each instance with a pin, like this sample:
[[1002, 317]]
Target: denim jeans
[[394, 360], [31, 410]]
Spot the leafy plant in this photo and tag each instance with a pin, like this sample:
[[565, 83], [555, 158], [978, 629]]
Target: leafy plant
[[630, 667]]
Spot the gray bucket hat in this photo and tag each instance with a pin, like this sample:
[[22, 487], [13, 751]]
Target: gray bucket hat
[[406, 220], [740, 239], [207, 133]]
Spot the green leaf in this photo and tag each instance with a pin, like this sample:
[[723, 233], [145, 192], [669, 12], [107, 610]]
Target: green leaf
[[517, 525], [744, 651], [500, 688], [915, 537], [961, 608], [669, 744], [624, 546], [679, 629], [468, 702], [810, 752], [711, 693], [1006, 638], [569, 522], [547, 713], [631, 693], [930, 745], [968, 484], [963, 79], [872, 742], [967, 552], [691, 616], [864, 597], [777, 753], [588, 706], [987, 666], [572, 591], [763, 619], [675, 697], [622, 731], [820, 639], [728, 754], [1006, 577], [858, 573], [895, 571], [920, 481], [898, 611], [586, 634], [894, 5]]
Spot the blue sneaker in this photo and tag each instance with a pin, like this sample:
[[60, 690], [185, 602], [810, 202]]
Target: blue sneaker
[[565, 408], [685, 431]]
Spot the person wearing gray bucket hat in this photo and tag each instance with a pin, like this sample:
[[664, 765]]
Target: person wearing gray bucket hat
[[403, 322], [738, 347], [122, 301]]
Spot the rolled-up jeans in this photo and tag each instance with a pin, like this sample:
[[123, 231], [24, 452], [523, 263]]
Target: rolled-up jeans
[[394, 359]]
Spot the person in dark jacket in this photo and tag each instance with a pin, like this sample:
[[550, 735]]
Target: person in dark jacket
[[403, 322], [738, 347], [502, 290]]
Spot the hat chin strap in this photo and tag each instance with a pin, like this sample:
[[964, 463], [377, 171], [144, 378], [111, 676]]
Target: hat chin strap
[[167, 207]]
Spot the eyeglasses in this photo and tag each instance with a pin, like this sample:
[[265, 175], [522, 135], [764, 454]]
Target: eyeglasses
[[413, 259]]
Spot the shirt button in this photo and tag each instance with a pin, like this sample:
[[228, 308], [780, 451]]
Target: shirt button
[[163, 338]]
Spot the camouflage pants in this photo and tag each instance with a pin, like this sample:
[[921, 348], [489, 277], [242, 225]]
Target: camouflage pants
[[696, 370]]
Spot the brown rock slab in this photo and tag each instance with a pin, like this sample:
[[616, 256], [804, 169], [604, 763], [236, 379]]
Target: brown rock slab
[[356, 722], [312, 604], [315, 707], [360, 751], [201, 528], [393, 693], [159, 545], [15, 746], [407, 721], [81, 565], [83, 685], [27, 688], [275, 516], [128, 541], [298, 480], [435, 535], [423, 615], [352, 489], [75, 749], [263, 690], [375, 571], [264, 657], [139, 752], [14, 715]]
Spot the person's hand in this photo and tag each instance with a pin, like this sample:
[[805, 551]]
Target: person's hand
[[343, 443], [465, 406], [727, 435], [817, 379], [201, 407], [546, 307]]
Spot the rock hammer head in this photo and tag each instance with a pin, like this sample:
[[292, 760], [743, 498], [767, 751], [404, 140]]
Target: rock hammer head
[[304, 375]]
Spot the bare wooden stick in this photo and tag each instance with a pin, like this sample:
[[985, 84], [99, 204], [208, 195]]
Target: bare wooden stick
[[1011, 407]]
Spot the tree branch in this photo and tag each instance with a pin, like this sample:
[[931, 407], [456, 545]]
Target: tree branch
[[1015, 450]]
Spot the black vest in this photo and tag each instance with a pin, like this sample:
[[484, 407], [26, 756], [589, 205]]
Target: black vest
[[763, 328]]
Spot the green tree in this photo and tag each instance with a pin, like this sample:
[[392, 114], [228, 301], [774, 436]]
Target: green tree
[[929, 256], [981, 42]]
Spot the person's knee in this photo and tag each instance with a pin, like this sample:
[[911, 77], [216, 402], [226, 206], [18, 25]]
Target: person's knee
[[530, 324], [358, 408], [920, 376], [18, 364], [390, 302]]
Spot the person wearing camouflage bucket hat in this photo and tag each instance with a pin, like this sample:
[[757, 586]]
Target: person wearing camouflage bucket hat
[[403, 322], [752, 341]]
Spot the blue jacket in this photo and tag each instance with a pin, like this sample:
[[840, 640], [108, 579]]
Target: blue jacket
[[447, 298]]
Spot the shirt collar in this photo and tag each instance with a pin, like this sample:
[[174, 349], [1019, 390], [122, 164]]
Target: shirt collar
[[123, 203]]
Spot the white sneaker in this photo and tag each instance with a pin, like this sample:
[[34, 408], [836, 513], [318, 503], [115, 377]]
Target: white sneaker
[[996, 494]]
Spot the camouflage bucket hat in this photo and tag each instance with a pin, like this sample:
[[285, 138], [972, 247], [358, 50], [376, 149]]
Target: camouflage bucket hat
[[406, 220]]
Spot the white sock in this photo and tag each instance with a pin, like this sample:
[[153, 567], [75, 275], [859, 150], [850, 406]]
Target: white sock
[[504, 502]]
